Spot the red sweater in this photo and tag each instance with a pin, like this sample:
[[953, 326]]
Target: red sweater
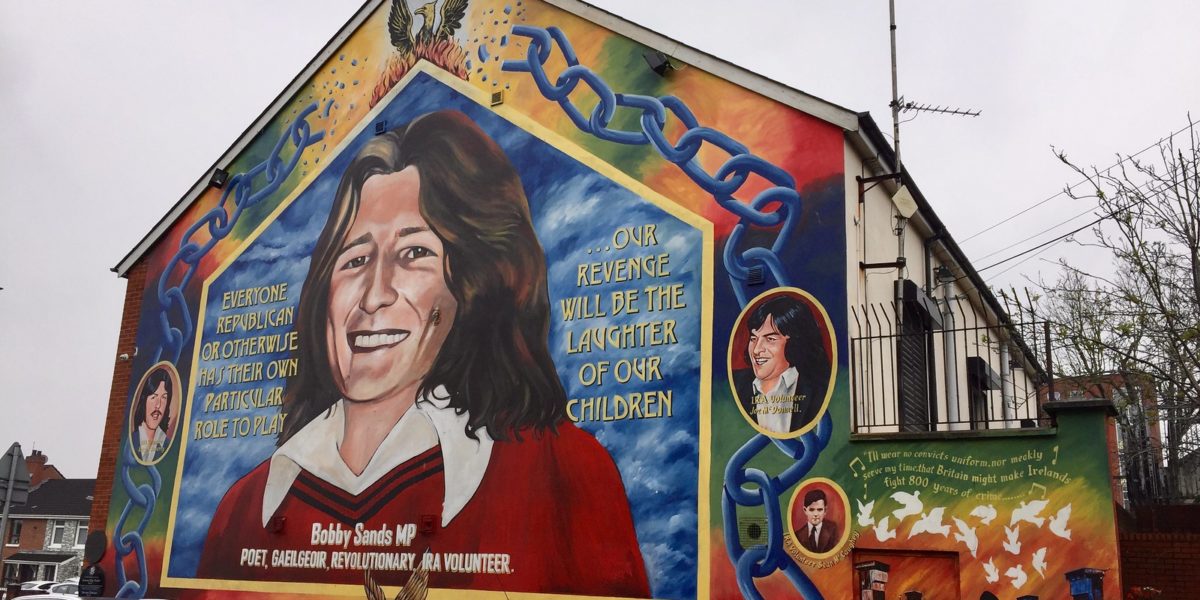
[[549, 516]]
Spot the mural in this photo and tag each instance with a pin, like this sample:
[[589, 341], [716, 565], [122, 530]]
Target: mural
[[456, 309]]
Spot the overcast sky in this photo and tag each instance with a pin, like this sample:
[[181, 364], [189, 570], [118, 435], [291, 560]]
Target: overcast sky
[[111, 110]]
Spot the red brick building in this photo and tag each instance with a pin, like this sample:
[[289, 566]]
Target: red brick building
[[44, 537]]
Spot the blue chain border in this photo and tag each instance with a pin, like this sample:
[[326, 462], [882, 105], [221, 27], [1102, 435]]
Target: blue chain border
[[764, 559], [219, 223]]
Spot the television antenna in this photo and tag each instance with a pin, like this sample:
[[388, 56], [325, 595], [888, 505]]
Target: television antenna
[[899, 104]]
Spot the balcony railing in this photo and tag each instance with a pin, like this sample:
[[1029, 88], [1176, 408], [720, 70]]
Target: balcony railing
[[927, 374]]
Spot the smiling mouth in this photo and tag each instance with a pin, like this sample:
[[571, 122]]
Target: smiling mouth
[[156, 414], [370, 341]]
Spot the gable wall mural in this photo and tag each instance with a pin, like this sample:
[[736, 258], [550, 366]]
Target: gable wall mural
[[482, 302]]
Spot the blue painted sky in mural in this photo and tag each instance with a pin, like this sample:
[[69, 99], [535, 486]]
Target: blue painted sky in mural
[[574, 210]]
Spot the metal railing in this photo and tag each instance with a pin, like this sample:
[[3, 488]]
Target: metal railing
[[942, 377]]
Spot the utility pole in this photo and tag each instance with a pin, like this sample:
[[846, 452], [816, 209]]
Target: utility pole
[[14, 477]]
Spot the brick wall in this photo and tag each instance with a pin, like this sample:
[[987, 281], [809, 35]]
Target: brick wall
[[33, 532], [1165, 561], [114, 424]]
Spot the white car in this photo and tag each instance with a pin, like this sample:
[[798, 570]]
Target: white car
[[66, 588], [37, 585]]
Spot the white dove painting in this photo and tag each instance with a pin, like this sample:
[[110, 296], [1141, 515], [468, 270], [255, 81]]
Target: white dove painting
[[911, 505], [1012, 545], [985, 512], [966, 535], [1017, 575], [882, 533], [1039, 562], [1029, 513], [864, 513], [991, 573], [1058, 523], [930, 522]]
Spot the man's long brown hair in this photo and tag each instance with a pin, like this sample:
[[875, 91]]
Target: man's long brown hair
[[495, 363]]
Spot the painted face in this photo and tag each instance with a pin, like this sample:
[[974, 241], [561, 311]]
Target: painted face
[[815, 512], [766, 350], [156, 405], [389, 307]]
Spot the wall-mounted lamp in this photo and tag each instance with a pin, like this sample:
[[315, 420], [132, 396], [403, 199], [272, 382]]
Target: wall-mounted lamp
[[218, 179], [659, 63]]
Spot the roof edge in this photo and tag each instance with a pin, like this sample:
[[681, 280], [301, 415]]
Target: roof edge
[[874, 137], [822, 109], [256, 126]]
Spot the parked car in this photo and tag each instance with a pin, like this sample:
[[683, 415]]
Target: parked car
[[66, 588], [37, 585]]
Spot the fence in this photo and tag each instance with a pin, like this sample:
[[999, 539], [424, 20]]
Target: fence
[[921, 372]]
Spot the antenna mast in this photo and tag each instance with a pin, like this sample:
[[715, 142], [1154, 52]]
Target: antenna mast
[[899, 105], [895, 92]]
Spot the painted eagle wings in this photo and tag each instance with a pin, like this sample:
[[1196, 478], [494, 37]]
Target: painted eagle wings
[[400, 27], [452, 16]]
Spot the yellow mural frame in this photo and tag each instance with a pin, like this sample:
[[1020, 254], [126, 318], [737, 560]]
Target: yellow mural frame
[[516, 118]]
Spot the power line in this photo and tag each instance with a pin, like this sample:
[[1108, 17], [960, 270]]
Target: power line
[[1066, 235], [1113, 213], [1046, 230], [1062, 192], [1018, 263]]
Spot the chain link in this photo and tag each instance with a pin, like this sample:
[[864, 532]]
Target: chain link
[[176, 326], [776, 206]]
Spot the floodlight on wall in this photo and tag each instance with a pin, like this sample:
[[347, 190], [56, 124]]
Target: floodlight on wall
[[944, 274], [659, 63], [218, 179]]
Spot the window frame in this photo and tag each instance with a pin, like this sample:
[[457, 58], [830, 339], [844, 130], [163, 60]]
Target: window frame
[[81, 533], [12, 537], [56, 539]]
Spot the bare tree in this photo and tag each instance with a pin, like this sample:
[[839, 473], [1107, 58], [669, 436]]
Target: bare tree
[[1144, 321]]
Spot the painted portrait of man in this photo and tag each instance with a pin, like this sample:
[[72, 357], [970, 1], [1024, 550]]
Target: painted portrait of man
[[818, 534], [152, 415], [785, 386], [426, 392]]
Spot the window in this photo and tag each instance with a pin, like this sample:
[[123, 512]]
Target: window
[[81, 533], [59, 537], [14, 533], [915, 370]]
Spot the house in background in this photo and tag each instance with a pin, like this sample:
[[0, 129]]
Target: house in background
[[1135, 446], [44, 538]]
